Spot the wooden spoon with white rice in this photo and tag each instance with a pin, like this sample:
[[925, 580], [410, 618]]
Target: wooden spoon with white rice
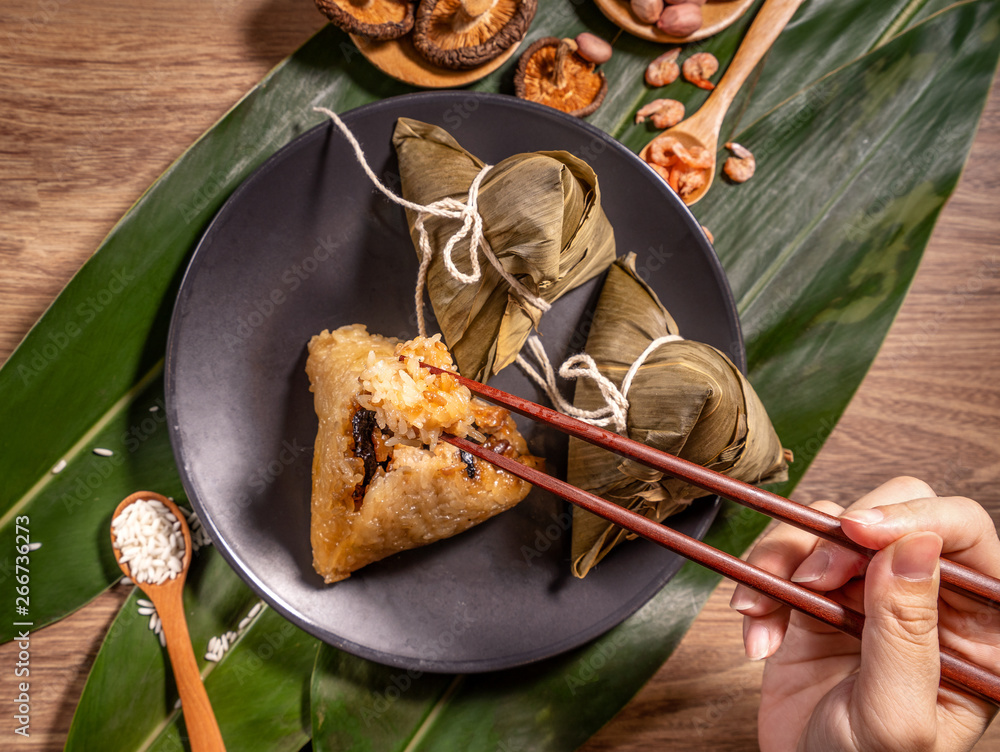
[[152, 545]]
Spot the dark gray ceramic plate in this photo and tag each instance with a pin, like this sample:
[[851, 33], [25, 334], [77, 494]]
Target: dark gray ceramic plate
[[306, 243]]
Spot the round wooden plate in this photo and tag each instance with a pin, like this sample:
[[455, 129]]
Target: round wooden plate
[[718, 14], [399, 58]]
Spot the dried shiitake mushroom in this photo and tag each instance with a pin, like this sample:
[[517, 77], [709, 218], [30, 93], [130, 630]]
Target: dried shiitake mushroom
[[550, 72], [375, 19], [460, 34]]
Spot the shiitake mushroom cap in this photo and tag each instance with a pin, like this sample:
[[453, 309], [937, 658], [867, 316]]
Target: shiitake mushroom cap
[[446, 35], [374, 19], [583, 91]]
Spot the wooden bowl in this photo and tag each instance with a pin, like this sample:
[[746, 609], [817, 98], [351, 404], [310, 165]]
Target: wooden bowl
[[718, 14], [399, 58]]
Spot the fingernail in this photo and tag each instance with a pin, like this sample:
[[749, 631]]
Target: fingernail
[[864, 516], [758, 642], [813, 567], [744, 599], [916, 556]]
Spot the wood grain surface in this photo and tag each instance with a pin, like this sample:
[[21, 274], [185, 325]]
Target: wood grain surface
[[97, 98]]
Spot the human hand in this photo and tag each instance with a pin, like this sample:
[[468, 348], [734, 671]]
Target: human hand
[[823, 690]]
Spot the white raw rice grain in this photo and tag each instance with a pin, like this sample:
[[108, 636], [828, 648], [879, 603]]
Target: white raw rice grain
[[34, 546], [146, 608], [58, 467], [143, 534], [154, 408], [199, 536], [219, 646], [102, 452]]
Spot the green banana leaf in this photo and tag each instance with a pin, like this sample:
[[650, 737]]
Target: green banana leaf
[[89, 371], [258, 689]]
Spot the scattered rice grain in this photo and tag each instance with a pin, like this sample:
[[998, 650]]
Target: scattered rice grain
[[102, 452], [58, 467], [218, 646]]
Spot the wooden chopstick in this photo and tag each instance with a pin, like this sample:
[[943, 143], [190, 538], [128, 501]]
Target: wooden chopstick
[[956, 577], [954, 669]]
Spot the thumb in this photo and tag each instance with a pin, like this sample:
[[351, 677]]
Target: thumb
[[896, 690]]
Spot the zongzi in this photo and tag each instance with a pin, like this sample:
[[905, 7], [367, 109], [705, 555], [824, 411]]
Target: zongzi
[[542, 218], [382, 482], [686, 398]]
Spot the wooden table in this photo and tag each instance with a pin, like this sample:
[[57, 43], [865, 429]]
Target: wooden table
[[96, 100]]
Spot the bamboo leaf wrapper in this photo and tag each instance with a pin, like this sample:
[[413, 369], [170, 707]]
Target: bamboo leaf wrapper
[[687, 398], [542, 218]]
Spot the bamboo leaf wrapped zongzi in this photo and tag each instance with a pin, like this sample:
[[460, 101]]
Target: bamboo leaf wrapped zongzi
[[542, 218], [686, 398]]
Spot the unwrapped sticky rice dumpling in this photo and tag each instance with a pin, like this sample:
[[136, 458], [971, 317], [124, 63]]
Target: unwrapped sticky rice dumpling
[[382, 481]]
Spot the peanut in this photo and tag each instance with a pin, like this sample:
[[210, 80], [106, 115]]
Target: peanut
[[680, 20], [591, 47], [647, 11]]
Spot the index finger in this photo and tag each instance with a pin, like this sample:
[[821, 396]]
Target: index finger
[[967, 530]]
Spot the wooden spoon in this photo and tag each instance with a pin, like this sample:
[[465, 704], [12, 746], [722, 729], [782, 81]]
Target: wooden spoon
[[702, 128], [203, 730]]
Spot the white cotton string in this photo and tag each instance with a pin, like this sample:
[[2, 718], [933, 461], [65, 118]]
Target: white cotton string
[[614, 414], [627, 381], [448, 208], [576, 366]]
